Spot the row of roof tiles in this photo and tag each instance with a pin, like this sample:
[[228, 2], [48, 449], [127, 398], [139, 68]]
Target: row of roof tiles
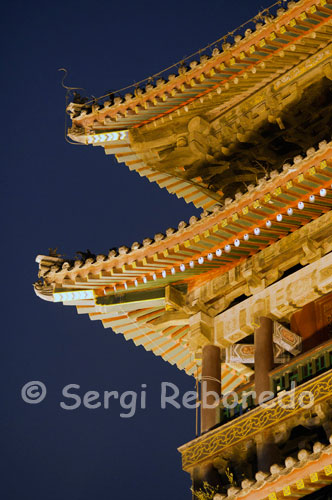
[[318, 10], [129, 97], [277, 472], [123, 255]]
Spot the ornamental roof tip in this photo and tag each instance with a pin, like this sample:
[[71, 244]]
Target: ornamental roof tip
[[43, 291], [81, 107], [49, 258]]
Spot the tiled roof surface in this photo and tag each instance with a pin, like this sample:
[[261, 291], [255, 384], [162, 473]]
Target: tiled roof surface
[[234, 72]]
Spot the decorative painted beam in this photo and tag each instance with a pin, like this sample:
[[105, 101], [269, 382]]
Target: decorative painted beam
[[277, 301]]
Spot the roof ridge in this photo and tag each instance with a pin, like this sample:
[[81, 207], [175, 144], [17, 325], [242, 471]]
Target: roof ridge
[[269, 15]]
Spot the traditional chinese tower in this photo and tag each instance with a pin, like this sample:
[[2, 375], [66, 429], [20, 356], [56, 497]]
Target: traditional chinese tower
[[242, 297]]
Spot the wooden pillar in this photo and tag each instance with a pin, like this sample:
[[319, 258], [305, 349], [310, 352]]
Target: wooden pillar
[[263, 355], [211, 381], [267, 450]]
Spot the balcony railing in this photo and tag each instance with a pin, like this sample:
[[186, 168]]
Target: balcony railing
[[301, 369], [229, 438]]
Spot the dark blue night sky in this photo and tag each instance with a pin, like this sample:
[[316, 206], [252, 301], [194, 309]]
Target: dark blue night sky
[[57, 195]]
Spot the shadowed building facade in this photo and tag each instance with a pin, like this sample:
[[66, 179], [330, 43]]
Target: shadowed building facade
[[240, 298]]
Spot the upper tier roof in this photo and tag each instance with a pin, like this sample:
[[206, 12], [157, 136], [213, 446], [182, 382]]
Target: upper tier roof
[[227, 120], [284, 34]]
